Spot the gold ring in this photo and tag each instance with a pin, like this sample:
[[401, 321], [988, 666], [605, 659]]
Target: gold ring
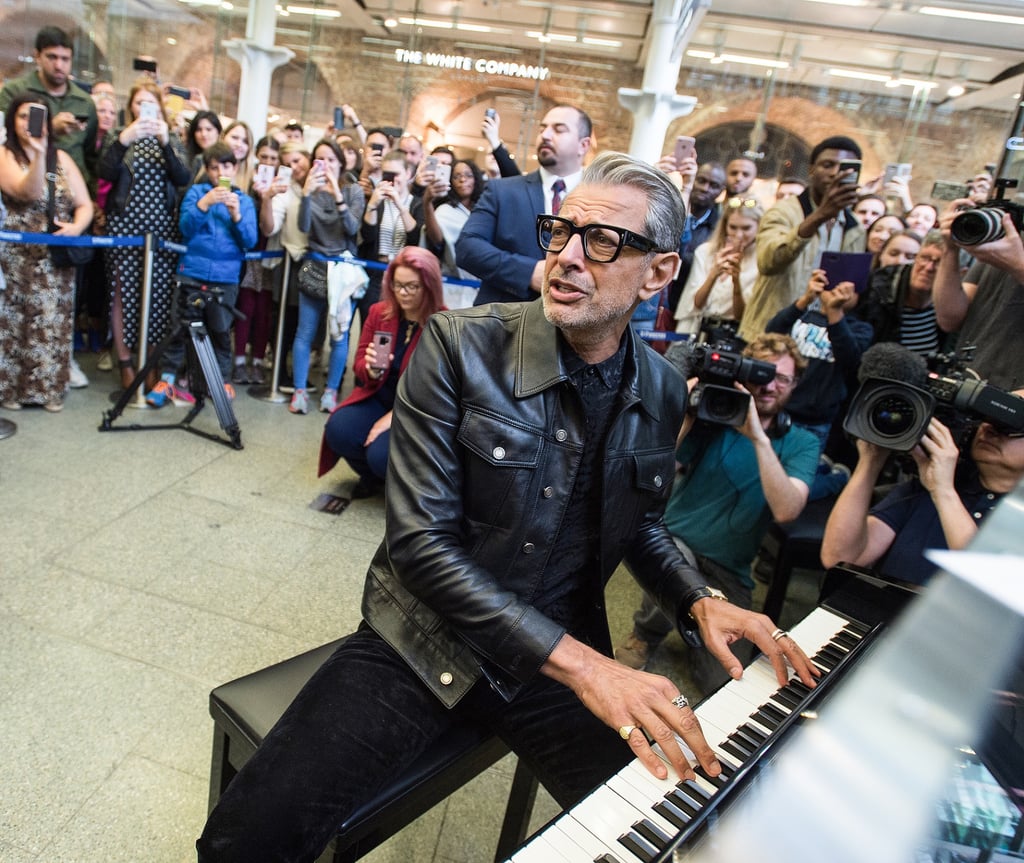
[[780, 633], [626, 730]]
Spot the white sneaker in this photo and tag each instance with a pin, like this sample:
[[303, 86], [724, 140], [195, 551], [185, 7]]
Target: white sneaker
[[328, 401], [300, 403], [78, 378]]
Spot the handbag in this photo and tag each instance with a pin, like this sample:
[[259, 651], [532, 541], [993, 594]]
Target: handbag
[[61, 256], [664, 322], [312, 279]]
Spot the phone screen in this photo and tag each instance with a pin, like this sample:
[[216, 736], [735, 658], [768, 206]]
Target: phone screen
[[224, 182], [943, 190], [339, 119], [388, 176], [148, 111], [265, 174], [845, 165], [284, 172], [140, 65], [382, 345]]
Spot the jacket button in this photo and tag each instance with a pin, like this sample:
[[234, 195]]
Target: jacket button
[[498, 452], [446, 678], [548, 491], [658, 481], [561, 435], [528, 548]]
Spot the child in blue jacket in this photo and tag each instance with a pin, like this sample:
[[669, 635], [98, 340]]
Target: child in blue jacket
[[218, 222]]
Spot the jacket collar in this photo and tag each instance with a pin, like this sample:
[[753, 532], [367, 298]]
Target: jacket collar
[[538, 361]]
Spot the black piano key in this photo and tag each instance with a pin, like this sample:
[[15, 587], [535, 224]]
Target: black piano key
[[753, 733], [607, 858], [695, 790], [798, 687], [836, 655], [845, 639], [734, 750], [670, 813], [787, 698], [637, 846], [823, 662], [771, 712], [857, 628], [653, 834], [683, 803], [744, 745], [718, 781]]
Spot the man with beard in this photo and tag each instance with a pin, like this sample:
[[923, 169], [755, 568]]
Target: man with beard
[[72, 110], [531, 452], [740, 174], [700, 224], [498, 243], [732, 482]]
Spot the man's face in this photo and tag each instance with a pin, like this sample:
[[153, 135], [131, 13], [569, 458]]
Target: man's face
[[926, 263], [825, 170], [412, 149], [770, 398], [979, 187], [560, 148], [739, 176], [293, 135], [584, 297], [868, 210], [707, 186], [54, 65], [443, 158]]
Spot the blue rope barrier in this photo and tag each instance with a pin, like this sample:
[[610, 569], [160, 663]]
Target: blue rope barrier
[[377, 265], [102, 242]]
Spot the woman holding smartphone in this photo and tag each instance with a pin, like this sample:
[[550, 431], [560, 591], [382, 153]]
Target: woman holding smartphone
[[146, 166], [359, 430], [329, 213], [37, 305]]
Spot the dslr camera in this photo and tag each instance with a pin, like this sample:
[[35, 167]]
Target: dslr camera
[[895, 415], [717, 368], [982, 225]]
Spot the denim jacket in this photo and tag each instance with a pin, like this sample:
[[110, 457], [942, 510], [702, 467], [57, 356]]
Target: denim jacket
[[486, 440]]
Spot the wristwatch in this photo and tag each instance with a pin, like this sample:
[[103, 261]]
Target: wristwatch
[[701, 593]]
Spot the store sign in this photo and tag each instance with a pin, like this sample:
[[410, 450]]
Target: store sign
[[468, 64]]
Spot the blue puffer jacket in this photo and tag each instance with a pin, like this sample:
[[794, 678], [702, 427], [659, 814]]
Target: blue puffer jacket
[[215, 242]]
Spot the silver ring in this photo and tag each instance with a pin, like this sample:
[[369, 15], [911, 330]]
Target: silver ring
[[626, 730], [681, 702], [779, 633]]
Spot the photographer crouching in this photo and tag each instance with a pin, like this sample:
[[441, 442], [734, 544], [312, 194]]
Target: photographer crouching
[[987, 305], [944, 504]]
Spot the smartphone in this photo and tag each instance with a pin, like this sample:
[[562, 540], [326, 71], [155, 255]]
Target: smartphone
[[141, 65], [388, 176], [847, 267], [490, 113], [36, 120], [149, 111], [339, 119], [285, 173], [224, 183], [895, 169], [180, 92], [382, 345], [943, 190], [846, 165], [432, 163], [377, 147], [265, 174], [319, 165], [443, 172], [684, 148]]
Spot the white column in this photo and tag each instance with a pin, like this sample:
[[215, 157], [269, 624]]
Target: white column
[[657, 104], [258, 57]]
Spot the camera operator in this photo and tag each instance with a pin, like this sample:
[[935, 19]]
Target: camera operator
[[732, 482], [987, 305], [940, 508]]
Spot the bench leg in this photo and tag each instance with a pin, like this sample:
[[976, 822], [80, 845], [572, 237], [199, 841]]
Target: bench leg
[[517, 814]]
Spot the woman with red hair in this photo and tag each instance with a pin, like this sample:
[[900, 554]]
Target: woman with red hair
[[359, 428]]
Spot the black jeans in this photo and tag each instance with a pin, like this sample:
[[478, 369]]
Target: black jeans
[[360, 721]]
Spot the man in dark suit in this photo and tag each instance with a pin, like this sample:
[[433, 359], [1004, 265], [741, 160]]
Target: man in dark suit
[[499, 241]]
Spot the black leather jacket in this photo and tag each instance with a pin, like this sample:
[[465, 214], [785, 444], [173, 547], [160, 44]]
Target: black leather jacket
[[485, 445]]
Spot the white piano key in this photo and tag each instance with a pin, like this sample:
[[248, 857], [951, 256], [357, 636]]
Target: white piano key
[[726, 702], [589, 822], [541, 849], [639, 801]]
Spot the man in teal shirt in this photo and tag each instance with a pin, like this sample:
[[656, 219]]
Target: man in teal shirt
[[72, 110], [732, 482]]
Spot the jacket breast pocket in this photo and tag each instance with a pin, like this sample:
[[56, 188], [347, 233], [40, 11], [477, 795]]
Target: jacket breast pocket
[[653, 471], [500, 466]]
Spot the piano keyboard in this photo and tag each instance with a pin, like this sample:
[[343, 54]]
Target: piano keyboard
[[634, 817]]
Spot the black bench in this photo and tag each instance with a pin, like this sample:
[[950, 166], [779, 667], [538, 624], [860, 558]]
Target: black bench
[[245, 709]]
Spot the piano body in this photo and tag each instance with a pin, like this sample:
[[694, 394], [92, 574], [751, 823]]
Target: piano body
[[856, 770]]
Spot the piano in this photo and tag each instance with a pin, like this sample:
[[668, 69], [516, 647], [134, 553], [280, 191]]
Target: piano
[[850, 770]]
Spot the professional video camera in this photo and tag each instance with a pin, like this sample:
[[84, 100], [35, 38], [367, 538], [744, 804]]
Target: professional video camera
[[716, 367], [898, 397], [981, 225]]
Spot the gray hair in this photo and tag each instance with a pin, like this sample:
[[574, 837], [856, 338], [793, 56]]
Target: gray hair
[[666, 213], [933, 238]]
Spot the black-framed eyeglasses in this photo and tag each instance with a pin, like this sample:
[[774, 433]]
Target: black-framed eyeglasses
[[601, 243]]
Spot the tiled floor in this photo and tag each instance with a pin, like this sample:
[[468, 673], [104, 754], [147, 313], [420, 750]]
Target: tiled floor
[[138, 570]]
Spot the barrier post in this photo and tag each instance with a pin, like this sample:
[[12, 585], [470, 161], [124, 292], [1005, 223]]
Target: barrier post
[[148, 245], [271, 393]]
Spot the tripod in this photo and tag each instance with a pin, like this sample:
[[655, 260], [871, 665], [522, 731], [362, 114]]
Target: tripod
[[201, 366]]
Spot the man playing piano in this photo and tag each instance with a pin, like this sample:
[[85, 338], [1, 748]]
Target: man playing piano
[[532, 450]]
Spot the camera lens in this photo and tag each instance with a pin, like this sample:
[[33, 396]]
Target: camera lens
[[892, 416], [974, 227]]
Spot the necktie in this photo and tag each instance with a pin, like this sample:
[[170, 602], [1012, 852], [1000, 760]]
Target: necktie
[[557, 190]]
